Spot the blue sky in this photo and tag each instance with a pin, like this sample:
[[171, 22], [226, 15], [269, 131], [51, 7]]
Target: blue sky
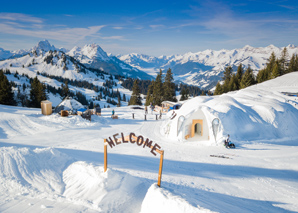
[[154, 27]]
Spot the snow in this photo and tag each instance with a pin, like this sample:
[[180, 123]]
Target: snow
[[89, 53], [215, 60], [55, 164], [258, 110]]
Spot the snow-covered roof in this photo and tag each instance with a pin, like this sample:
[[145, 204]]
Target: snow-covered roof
[[68, 104]]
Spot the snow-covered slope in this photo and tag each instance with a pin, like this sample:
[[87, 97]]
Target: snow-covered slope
[[53, 67], [88, 53], [258, 112], [206, 67], [93, 56], [41, 47], [55, 164]]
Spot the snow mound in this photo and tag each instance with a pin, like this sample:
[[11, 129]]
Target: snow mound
[[14, 125], [38, 169], [69, 104], [259, 112], [89, 185], [161, 200], [49, 174]]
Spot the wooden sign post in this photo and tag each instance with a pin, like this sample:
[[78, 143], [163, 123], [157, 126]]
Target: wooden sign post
[[140, 141], [105, 155], [160, 168]]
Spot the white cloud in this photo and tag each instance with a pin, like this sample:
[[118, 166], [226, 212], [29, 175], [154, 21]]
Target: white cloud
[[157, 26], [20, 17], [113, 38], [69, 35], [118, 28]]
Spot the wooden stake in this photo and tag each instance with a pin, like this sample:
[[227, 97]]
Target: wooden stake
[[105, 156], [160, 168]]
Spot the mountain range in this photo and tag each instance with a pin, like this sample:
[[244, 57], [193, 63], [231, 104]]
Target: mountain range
[[203, 69], [91, 56]]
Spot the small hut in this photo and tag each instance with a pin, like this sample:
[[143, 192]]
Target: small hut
[[70, 105], [169, 105], [46, 107]]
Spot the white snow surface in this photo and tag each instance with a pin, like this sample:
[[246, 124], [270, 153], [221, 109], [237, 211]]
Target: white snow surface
[[254, 113], [55, 164], [215, 60], [88, 53], [71, 104]]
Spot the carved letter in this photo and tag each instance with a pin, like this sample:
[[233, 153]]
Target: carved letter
[[130, 137], [116, 140], [147, 143], [123, 139], [140, 140], [154, 148], [110, 142]]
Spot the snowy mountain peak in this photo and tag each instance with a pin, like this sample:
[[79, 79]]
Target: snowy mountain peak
[[291, 46], [89, 53], [248, 47], [4, 54], [95, 51], [44, 46]]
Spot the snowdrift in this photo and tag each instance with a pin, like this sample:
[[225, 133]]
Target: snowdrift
[[39, 169], [260, 112], [48, 173], [161, 200], [88, 185]]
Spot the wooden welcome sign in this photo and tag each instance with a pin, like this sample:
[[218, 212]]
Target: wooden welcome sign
[[139, 141]]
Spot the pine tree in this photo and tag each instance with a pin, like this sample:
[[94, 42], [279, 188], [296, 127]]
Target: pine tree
[[247, 79], [270, 65], [64, 90], [227, 77], [233, 83], [183, 94], [158, 89], [169, 87], [135, 98], [293, 66], [283, 61], [37, 93], [218, 89], [6, 93], [119, 101], [149, 97], [277, 70], [227, 73], [262, 76], [239, 75], [91, 105]]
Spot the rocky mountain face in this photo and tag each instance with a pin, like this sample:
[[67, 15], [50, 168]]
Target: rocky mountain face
[[205, 68]]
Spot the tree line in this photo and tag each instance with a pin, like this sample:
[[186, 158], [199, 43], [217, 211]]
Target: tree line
[[159, 90], [275, 67]]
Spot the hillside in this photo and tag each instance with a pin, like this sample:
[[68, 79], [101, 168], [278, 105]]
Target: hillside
[[55, 164], [206, 68], [54, 67]]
